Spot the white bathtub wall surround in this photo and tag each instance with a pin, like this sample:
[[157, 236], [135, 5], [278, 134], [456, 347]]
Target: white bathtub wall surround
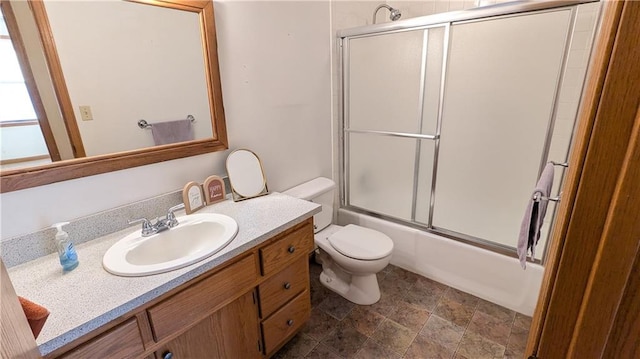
[[485, 274], [275, 73], [88, 297]]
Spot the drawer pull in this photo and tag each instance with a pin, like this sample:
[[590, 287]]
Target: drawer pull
[[289, 323], [287, 285], [291, 249], [167, 355]]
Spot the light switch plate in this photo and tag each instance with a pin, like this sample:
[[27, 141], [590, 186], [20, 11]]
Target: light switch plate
[[85, 113]]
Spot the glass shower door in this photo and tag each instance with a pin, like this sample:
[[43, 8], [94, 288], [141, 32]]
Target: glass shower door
[[502, 77], [391, 122]]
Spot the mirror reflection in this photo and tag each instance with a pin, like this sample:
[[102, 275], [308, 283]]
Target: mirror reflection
[[245, 175], [119, 62], [21, 136]]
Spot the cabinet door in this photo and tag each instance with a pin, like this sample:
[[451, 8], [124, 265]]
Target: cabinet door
[[231, 332]]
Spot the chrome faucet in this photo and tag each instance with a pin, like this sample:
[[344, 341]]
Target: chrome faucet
[[170, 221], [147, 227]]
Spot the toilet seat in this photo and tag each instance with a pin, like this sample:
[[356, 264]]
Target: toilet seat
[[361, 243]]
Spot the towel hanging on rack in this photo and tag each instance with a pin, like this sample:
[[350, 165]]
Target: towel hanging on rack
[[172, 131], [534, 216]]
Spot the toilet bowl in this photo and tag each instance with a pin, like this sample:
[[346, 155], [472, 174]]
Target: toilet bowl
[[351, 256]]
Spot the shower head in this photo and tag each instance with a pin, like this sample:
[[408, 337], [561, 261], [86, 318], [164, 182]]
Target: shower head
[[393, 16]]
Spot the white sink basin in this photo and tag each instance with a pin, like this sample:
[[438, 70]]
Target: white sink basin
[[197, 237]]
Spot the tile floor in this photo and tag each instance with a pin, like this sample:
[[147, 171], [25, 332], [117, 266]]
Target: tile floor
[[415, 318]]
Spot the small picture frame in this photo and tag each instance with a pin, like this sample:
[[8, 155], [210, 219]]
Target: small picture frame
[[192, 197], [214, 189]]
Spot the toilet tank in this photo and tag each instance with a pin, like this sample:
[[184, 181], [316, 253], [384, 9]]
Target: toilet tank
[[319, 190]]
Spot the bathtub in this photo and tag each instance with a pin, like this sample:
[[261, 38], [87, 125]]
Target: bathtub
[[485, 274]]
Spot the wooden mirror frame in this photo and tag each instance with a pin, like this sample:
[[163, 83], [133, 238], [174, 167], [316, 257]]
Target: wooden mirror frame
[[18, 179]]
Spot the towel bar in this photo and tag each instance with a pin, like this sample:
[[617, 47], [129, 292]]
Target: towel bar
[[144, 124], [537, 197]]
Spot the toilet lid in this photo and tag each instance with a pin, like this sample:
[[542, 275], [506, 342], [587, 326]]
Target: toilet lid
[[361, 243]]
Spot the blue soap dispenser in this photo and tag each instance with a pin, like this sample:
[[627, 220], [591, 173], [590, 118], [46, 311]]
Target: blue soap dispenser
[[66, 252]]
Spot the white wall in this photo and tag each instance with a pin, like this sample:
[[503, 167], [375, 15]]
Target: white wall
[[275, 69]]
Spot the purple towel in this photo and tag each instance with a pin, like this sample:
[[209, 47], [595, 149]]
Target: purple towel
[[168, 132], [534, 216]]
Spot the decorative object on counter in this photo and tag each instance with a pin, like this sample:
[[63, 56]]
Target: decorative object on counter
[[246, 175], [36, 315], [168, 132], [213, 189], [66, 252], [193, 197]]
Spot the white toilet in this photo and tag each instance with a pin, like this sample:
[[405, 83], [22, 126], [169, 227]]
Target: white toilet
[[351, 256]]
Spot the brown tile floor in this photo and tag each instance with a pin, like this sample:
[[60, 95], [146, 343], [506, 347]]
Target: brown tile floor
[[415, 318]]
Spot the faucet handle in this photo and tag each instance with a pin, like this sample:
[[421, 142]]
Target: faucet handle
[[147, 227], [177, 207], [171, 217], [144, 221]]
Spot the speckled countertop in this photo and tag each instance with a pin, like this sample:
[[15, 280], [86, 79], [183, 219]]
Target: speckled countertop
[[89, 297]]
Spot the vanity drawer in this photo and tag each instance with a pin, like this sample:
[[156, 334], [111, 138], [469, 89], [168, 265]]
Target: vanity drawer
[[286, 321], [283, 286], [287, 249], [203, 298], [123, 341]]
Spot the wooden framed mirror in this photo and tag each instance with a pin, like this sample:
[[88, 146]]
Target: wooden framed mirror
[[86, 161]]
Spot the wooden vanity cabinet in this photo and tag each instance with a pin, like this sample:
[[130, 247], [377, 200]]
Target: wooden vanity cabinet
[[284, 291], [228, 333], [247, 309]]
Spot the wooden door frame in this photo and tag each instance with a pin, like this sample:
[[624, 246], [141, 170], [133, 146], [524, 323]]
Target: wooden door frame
[[582, 286], [29, 79]]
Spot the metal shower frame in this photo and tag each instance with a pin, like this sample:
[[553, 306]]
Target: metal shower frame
[[443, 20]]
